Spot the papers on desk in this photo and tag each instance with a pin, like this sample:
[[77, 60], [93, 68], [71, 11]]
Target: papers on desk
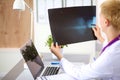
[[62, 76]]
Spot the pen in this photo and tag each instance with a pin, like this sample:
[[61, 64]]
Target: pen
[[54, 63]]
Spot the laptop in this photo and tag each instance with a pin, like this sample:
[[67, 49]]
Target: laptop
[[35, 63]]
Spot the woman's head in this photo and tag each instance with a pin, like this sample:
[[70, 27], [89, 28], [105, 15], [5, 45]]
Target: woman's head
[[110, 9]]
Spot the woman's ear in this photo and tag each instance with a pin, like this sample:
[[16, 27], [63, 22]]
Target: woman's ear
[[107, 23]]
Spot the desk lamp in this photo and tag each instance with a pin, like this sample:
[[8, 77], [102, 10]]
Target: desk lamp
[[20, 5]]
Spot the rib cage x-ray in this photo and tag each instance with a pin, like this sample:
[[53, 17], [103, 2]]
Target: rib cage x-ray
[[72, 24]]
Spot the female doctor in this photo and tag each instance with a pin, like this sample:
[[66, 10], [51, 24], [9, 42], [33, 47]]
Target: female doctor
[[107, 65]]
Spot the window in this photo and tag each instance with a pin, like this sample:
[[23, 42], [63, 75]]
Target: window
[[44, 5]]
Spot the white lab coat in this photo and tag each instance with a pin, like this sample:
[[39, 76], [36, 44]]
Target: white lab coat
[[106, 66]]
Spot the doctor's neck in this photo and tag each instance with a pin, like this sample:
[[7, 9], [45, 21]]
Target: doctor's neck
[[112, 34]]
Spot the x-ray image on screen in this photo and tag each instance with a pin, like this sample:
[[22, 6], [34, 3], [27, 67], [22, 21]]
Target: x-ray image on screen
[[72, 24]]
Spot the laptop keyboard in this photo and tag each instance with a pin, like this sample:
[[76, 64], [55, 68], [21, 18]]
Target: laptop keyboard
[[51, 71]]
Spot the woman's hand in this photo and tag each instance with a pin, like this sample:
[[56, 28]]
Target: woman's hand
[[56, 50], [97, 33]]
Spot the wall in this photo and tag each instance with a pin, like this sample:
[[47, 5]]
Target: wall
[[14, 31], [14, 25]]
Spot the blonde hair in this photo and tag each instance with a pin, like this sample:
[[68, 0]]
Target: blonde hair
[[111, 10]]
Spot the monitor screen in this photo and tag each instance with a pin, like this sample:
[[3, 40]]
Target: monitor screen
[[72, 24]]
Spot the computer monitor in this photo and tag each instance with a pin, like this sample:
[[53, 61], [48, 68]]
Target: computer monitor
[[72, 24]]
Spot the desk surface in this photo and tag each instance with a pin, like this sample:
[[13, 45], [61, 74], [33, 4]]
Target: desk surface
[[47, 58]]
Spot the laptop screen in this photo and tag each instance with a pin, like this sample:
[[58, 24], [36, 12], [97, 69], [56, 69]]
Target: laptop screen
[[72, 24], [32, 58]]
